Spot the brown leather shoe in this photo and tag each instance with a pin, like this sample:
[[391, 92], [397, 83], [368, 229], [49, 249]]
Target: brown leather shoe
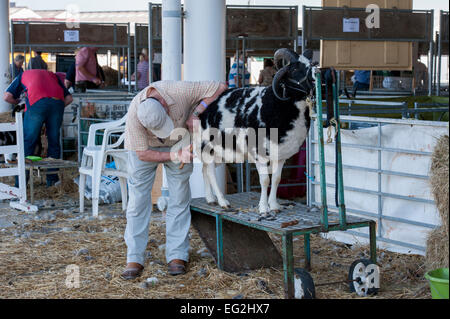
[[177, 267], [132, 271]]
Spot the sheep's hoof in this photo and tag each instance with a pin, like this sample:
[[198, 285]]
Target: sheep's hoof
[[275, 207], [272, 216], [213, 203], [288, 204], [264, 215], [224, 204]]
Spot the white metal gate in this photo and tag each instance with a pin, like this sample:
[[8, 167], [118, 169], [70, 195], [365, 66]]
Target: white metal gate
[[386, 174], [6, 191]]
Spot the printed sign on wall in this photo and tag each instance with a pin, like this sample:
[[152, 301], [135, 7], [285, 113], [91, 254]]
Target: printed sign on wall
[[351, 25], [71, 36]]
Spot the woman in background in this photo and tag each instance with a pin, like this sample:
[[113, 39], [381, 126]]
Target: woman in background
[[141, 75], [266, 75]]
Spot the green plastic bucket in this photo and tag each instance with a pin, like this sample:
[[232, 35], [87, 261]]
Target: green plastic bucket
[[438, 280]]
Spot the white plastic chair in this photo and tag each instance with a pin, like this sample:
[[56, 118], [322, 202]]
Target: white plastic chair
[[94, 159]]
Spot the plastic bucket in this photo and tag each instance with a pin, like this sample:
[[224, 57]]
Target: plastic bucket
[[438, 280]]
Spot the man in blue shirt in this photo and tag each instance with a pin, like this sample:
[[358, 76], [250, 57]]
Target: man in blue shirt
[[362, 81], [16, 66], [46, 97]]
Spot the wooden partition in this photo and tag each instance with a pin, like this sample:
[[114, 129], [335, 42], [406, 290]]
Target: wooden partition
[[59, 37], [265, 29], [388, 47]]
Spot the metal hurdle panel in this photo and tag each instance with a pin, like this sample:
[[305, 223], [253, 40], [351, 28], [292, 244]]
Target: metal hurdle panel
[[439, 108], [105, 111], [381, 172], [6, 191], [69, 129]]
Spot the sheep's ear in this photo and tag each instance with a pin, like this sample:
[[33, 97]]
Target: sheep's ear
[[308, 54]]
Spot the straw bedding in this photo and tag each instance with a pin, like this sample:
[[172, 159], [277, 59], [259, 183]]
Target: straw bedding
[[34, 256], [439, 178], [437, 249], [6, 117], [437, 254]]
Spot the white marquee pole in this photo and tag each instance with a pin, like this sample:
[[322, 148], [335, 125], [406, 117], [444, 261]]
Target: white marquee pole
[[204, 59], [171, 40], [171, 62], [4, 52]]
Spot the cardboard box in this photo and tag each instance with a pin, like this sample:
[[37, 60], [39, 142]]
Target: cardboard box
[[366, 55]]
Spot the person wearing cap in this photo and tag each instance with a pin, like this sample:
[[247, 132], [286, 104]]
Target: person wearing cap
[[152, 116], [17, 66]]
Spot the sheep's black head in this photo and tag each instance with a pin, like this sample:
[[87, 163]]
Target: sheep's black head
[[295, 76]]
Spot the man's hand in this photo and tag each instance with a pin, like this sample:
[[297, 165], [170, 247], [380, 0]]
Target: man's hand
[[97, 81], [68, 99], [154, 156], [183, 155], [67, 83], [89, 75], [9, 98]]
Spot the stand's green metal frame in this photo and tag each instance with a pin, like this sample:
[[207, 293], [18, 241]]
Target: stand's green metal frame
[[287, 236]]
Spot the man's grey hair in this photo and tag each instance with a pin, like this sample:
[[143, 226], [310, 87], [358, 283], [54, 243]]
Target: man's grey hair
[[19, 58]]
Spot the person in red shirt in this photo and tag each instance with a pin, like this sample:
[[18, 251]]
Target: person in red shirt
[[46, 97]]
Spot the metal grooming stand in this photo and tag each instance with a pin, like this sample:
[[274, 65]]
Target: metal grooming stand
[[238, 238]]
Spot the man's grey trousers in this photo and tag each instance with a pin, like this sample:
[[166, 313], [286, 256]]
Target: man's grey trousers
[[178, 216]]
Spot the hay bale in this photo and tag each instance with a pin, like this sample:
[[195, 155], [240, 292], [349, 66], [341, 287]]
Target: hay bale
[[438, 240], [437, 249], [439, 178]]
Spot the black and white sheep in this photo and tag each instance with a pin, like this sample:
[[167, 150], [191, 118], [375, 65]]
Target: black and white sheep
[[8, 138], [282, 106]]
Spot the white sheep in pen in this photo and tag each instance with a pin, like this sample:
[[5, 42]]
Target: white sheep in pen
[[238, 115]]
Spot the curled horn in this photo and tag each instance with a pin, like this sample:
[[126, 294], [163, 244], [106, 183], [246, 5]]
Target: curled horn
[[282, 57], [275, 84]]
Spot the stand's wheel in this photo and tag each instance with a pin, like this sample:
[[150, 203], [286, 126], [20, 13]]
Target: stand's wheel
[[364, 277], [304, 284]]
